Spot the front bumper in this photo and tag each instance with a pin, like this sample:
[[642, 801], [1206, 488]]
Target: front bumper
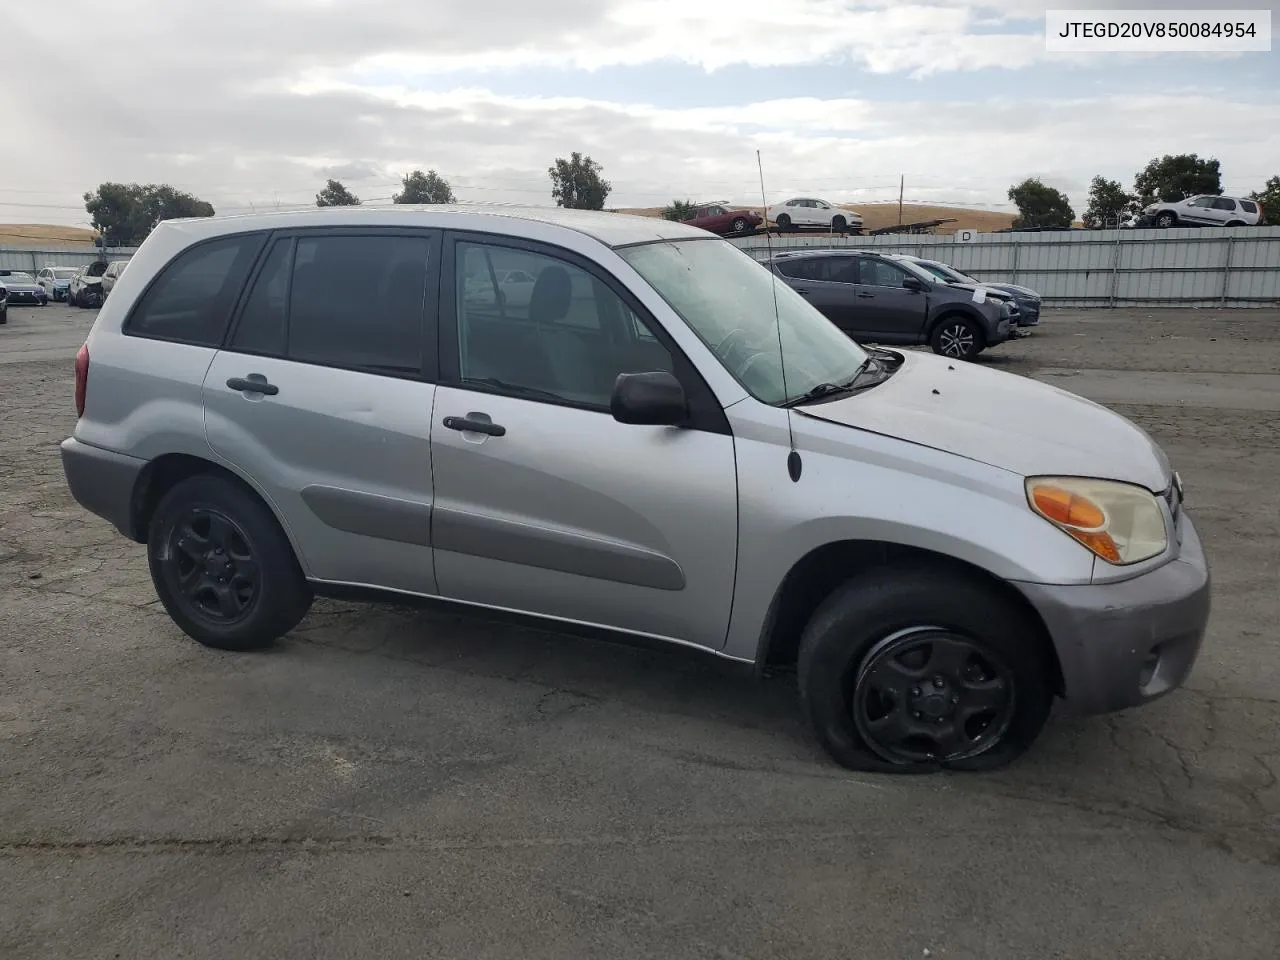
[[102, 481], [20, 297], [1124, 644], [1028, 315]]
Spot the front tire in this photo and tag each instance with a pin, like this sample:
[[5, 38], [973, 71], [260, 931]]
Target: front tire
[[783, 222], [222, 566], [1167, 219], [957, 337], [839, 224], [919, 668], [739, 225]]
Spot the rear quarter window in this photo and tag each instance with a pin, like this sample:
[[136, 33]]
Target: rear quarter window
[[191, 299], [1248, 206]]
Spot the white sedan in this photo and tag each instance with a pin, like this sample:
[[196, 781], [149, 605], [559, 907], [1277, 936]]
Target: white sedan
[[811, 212]]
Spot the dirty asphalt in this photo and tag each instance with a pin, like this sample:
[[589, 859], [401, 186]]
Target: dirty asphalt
[[392, 783]]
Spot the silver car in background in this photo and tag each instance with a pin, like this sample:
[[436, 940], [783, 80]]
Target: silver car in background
[[665, 443]]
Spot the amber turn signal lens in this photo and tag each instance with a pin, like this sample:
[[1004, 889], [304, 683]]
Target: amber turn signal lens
[[1078, 516], [1069, 509]]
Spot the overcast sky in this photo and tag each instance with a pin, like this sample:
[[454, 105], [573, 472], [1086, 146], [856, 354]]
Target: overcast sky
[[256, 102]]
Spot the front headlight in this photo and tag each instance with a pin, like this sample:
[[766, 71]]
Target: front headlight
[[1120, 522]]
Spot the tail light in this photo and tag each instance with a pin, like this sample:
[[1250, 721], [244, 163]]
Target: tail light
[[82, 377]]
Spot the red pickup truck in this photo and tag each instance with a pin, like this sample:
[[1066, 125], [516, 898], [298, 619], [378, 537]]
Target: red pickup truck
[[718, 218]]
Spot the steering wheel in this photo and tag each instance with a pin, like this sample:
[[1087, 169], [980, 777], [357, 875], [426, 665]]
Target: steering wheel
[[723, 348], [744, 371]]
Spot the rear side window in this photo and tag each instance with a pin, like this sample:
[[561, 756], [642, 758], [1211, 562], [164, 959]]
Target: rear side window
[[1223, 203], [192, 298], [340, 301]]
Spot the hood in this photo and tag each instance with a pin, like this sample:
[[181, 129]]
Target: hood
[[16, 286], [1003, 420], [1025, 293], [971, 287]]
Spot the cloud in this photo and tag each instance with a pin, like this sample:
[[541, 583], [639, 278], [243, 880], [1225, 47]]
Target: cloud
[[263, 101]]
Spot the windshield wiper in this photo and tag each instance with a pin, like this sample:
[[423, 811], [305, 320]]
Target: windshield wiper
[[829, 389], [514, 388]]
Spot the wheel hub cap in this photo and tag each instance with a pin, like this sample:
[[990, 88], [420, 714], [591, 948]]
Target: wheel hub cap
[[926, 694]]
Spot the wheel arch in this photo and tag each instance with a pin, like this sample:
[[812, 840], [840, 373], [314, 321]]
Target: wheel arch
[[823, 569], [947, 311], [162, 473]]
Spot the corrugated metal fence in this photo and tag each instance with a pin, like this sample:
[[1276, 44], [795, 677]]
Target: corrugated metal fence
[[1215, 266], [32, 259], [1187, 266]]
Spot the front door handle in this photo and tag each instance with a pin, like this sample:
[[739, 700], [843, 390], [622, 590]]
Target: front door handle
[[867, 296], [253, 383], [475, 423]]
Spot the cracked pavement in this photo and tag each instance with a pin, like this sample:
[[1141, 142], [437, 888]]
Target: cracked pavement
[[393, 783]]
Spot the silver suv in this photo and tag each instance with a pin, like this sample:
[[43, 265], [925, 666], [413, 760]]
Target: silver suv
[[1208, 210], [660, 441]]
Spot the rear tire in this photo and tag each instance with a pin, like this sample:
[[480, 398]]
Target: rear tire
[[1236, 223], [920, 668], [222, 566], [957, 337]]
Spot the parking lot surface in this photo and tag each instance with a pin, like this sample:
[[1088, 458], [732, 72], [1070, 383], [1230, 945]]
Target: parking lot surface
[[391, 783]]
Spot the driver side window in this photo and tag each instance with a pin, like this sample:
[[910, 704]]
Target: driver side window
[[566, 335], [878, 273]]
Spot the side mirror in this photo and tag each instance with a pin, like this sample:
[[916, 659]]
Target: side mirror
[[913, 283], [655, 399]]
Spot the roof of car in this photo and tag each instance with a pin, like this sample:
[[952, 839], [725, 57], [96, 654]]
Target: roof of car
[[612, 229]]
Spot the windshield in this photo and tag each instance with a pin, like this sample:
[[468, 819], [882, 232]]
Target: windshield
[[727, 299], [16, 277], [64, 273], [944, 272]]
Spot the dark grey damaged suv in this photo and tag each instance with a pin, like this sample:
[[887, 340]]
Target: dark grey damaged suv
[[890, 300]]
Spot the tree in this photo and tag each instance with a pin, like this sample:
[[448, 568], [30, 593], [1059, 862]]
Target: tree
[[679, 210], [1176, 178], [427, 187], [576, 183], [335, 194], [1107, 202], [1270, 200], [125, 213], [1040, 205]]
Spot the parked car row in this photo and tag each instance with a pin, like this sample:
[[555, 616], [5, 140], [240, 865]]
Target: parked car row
[[798, 213], [662, 443], [899, 299]]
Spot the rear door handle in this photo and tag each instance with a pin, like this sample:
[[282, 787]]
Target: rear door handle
[[253, 383], [475, 423]]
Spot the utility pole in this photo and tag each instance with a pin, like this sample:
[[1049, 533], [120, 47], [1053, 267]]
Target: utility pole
[[901, 183]]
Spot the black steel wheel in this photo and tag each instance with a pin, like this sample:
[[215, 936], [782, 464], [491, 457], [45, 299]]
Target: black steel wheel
[[783, 222], [925, 694], [222, 566], [839, 224], [923, 666], [957, 337]]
